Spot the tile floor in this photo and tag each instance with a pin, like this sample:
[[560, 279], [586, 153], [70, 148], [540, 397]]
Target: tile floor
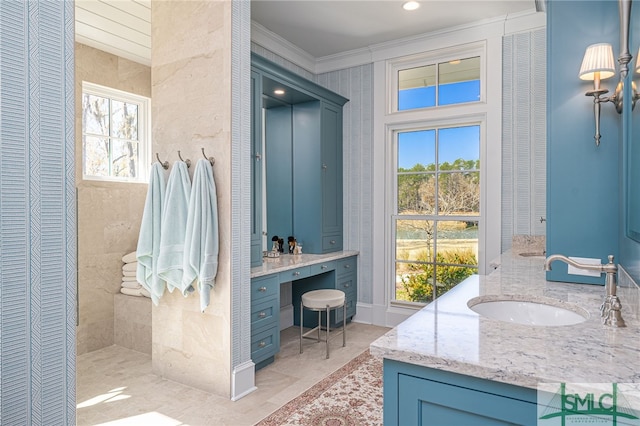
[[116, 386]]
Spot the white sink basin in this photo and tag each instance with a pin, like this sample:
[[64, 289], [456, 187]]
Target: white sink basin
[[529, 311]]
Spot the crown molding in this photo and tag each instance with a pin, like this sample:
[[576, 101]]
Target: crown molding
[[282, 47], [498, 26]]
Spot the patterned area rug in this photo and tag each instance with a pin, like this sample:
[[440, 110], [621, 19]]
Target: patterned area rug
[[350, 396]]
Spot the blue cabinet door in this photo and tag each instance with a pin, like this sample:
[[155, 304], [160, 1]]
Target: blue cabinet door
[[415, 395], [331, 152], [317, 195]]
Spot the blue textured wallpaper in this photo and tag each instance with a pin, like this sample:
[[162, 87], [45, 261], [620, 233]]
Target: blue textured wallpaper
[[37, 214], [583, 198]]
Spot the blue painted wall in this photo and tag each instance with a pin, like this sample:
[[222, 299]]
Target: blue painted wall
[[37, 214], [630, 249], [583, 185]]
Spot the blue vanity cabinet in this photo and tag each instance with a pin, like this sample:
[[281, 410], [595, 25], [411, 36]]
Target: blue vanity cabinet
[[265, 319], [302, 131], [256, 170], [416, 395]]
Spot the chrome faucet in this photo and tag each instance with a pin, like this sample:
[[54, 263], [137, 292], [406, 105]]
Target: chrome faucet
[[611, 307]]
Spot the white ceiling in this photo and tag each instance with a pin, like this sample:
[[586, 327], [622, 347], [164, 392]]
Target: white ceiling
[[320, 28]]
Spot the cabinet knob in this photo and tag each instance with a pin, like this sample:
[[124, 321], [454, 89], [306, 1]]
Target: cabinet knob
[[324, 167], [347, 286], [262, 289], [323, 267], [347, 266], [296, 273], [332, 242], [262, 344], [262, 314]]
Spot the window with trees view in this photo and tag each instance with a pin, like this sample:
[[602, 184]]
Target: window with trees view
[[437, 210], [115, 142]]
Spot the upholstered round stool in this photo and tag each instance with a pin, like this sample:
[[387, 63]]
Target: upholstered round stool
[[322, 301]]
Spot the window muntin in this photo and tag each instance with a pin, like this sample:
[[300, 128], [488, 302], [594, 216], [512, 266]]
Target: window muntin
[[115, 144], [449, 82], [438, 207]]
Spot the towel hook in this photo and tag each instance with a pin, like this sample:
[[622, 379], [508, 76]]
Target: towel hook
[[164, 164], [187, 161], [212, 160]]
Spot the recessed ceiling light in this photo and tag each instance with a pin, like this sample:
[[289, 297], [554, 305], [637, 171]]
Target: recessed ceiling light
[[411, 5], [278, 92]]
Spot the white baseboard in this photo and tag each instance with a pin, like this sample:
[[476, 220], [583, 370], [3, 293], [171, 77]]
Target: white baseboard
[[243, 380], [381, 315]]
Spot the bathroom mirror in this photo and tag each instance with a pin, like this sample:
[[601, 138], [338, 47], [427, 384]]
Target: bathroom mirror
[[632, 140], [279, 111]]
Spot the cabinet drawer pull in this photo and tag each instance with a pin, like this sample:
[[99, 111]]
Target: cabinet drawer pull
[[323, 267], [262, 314], [262, 289], [324, 167], [296, 273], [332, 242], [262, 344], [258, 156], [347, 266], [347, 286]]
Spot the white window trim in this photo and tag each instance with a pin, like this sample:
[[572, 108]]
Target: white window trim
[[144, 130], [489, 111]]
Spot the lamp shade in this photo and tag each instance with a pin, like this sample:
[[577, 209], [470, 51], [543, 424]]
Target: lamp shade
[[598, 58]]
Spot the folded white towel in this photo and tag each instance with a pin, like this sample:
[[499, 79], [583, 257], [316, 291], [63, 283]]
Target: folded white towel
[[131, 284], [130, 274], [174, 222], [131, 278], [149, 238], [131, 292], [144, 292], [201, 242], [129, 257], [133, 266]]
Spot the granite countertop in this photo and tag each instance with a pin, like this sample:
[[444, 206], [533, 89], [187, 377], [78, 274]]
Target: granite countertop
[[447, 335], [284, 262]]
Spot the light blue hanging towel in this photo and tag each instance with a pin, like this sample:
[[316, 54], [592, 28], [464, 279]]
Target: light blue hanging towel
[[149, 237], [201, 243], [174, 222]]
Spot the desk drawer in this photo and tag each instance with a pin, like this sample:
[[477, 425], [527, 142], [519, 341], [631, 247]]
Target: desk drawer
[[265, 314], [351, 311], [347, 265], [347, 285], [265, 344], [295, 274], [331, 243], [264, 287], [323, 267]]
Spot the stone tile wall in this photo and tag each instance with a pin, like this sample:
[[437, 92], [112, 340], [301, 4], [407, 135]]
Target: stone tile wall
[[109, 213]]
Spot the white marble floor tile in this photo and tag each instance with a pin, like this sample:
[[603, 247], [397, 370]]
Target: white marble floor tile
[[116, 385]]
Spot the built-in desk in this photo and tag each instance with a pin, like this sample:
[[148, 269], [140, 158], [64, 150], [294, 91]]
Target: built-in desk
[[337, 270]]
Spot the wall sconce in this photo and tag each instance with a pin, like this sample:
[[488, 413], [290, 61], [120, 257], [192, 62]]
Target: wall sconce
[[597, 65]]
